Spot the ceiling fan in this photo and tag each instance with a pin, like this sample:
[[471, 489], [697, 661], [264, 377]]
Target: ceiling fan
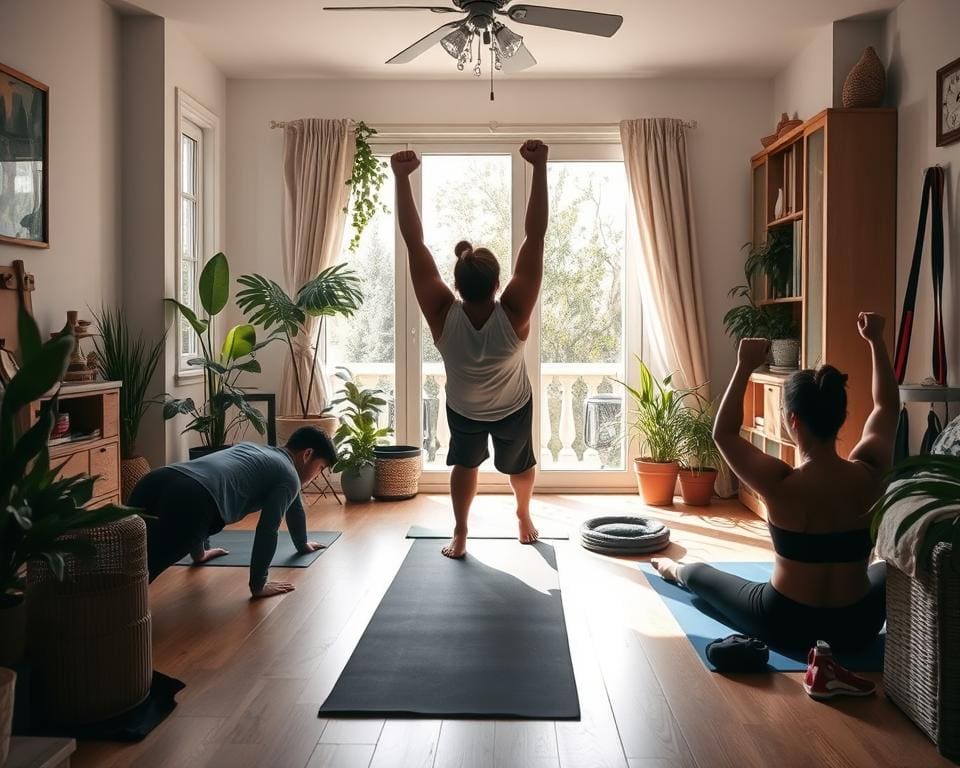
[[480, 28]]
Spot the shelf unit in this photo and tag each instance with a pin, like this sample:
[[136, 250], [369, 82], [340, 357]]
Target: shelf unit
[[838, 173]]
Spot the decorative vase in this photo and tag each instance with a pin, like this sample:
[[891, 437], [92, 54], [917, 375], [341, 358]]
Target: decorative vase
[[656, 481], [396, 472], [696, 486], [287, 425], [866, 82], [785, 353], [132, 471], [357, 484], [13, 629], [778, 206], [8, 682]]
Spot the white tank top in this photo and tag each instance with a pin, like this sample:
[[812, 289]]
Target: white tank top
[[486, 375]]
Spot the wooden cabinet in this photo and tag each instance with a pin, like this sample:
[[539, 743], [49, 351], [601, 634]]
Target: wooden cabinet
[[94, 411], [836, 179]]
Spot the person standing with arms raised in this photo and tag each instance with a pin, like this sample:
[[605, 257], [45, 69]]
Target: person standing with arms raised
[[481, 341]]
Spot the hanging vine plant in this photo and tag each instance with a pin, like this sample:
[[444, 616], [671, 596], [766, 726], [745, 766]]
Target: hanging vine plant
[[368, 176]]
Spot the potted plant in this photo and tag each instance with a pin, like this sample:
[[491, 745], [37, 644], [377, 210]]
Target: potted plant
[[335, 291], [357, 438], [746, 321], [121, 357], [784, 337], [214, 421], [37, 505], [772, 259], [699, 456], [658, 411]]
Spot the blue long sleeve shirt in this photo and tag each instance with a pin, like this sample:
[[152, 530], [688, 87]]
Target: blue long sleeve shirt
[[250, 477]]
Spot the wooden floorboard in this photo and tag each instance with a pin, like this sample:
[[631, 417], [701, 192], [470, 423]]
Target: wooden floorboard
[[257, 671]]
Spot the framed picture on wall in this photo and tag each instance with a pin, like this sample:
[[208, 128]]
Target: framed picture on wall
[[948, 103], [24, 159]]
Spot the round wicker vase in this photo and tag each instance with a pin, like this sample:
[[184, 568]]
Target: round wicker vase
[[656, 481], [396, 472], [866, 82], [697, 487], [132, 471], [89, 635], [8, 680]]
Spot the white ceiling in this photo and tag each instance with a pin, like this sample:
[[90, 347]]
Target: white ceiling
[[703, 38]]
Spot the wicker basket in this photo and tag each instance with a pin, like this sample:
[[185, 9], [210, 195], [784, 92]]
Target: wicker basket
[[921, 668], [89, 635], [397, 472], [132, 471]]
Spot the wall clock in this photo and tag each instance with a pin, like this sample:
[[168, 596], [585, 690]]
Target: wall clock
[[948, 104]]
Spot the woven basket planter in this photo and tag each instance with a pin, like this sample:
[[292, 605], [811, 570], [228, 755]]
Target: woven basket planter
[[397, 472], [89, 635], [921, 668], [132, 471]]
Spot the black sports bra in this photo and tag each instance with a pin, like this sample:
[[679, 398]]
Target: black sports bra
[[837, 547]]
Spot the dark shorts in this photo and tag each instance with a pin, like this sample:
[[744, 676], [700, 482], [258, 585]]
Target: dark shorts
[[512, 441]]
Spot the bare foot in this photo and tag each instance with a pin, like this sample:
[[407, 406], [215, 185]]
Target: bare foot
[[457, 547], [528, 532], [667, 568]]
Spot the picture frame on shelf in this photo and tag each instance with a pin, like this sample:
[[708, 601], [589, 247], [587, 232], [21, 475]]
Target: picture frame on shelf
[[24, 159], [948, 104]]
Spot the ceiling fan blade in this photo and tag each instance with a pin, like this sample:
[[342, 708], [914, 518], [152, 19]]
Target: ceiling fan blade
[[522, 59], [424, 44], [434, 8], [587, 22]]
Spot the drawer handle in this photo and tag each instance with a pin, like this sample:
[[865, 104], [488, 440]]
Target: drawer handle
[[103, 450]]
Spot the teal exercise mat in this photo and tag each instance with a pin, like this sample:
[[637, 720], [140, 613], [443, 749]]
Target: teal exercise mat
[[240, 546], [702, 624], [480, 637], [483, 532]]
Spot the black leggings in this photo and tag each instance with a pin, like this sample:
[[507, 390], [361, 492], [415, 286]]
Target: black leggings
[[182, 516], [757, 609]]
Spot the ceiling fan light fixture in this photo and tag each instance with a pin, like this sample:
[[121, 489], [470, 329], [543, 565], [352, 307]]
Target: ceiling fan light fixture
[[457, 43], [506, 42]]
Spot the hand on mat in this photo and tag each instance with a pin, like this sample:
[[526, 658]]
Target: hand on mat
[[210, 554], [272, 588], [404, 163], [310, 546], [534, 152], [870, 325], [753, 353]]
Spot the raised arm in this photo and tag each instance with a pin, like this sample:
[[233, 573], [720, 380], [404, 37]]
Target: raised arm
[[433, 295], [875, 448], [754, 467], [520, 296]]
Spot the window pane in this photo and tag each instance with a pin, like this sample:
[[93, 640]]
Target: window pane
[[188, 233], [582, 310], [188, 158], [364, 343], [464, 198]]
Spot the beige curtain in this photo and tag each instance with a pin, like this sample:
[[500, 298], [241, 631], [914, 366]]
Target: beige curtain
[[317, 158]]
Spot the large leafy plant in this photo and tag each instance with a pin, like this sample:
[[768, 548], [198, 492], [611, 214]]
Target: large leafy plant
[[358, 434], [37, 507], [121, 357], [936, 480], [335, 291], [214, 420]]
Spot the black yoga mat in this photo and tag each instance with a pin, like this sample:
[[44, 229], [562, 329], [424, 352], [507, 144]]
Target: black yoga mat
[[240, 546], [479, 637], [483, 532]]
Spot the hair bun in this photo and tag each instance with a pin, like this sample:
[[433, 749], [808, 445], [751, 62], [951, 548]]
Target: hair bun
[[827, 377], [463, 248]]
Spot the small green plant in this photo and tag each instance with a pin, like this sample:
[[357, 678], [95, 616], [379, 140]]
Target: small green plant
[[935, 479], [698, 451], [772, 259], [214, 420], [758, 321], [37, 508], [358, 434], [366, 179], [121, 357], [780, 323]]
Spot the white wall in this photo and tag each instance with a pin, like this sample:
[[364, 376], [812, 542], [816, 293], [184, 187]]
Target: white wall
[[732, 116], [921, 38], [805, 85], [77, 55]]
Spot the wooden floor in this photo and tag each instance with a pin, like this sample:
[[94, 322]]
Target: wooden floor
[[257, 671]]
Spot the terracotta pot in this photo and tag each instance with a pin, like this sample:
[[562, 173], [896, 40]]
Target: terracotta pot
[[132, 471], [287, 425], [8, 680], [656, 481], [696, 487], [13, 629]]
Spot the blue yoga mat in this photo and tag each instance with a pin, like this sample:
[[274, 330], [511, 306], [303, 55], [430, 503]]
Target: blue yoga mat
[[702, 624]]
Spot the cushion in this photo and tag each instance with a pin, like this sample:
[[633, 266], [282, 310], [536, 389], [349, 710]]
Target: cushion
[[624, 535], [948, 442]]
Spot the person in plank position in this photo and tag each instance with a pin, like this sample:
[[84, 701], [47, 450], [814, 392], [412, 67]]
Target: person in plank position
[[481, 341], [190, 501]]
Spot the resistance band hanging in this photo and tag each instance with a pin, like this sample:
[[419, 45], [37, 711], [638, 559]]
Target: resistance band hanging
[[932, 191]]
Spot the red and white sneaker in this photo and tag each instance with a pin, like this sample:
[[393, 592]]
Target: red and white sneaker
[[825, 678]]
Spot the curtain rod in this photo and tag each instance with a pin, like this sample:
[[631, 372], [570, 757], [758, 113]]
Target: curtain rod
[[493, 126]]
